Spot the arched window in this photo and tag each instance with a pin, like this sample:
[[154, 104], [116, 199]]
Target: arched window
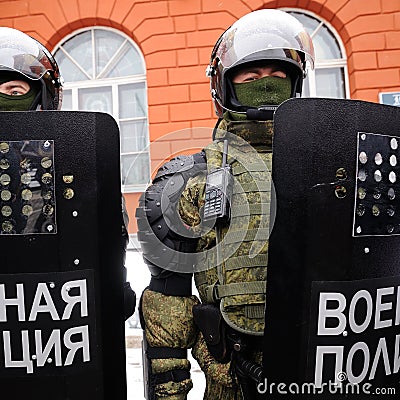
[[104, 71], [330, 77]]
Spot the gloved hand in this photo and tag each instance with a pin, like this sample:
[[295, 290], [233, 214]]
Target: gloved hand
[[129, 300], [215, 372]]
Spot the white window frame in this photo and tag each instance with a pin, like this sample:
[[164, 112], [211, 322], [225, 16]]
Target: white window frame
[[113, 83], [321, 64]]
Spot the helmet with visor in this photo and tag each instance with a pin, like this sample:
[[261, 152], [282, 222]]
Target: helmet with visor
[[26, 56], [267, 36]]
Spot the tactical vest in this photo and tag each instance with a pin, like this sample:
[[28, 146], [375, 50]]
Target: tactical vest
[[234, 272]]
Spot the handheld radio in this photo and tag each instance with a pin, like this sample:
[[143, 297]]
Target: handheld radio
[[219, 185]]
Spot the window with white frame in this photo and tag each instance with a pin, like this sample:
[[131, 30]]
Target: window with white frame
[[330, 77], [104, 71]]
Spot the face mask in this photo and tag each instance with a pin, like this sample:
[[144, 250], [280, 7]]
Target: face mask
[[17, 103], [269, 90]]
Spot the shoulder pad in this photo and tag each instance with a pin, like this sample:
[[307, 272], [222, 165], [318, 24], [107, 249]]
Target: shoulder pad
[[165, 241], [177, 164], [166, 189], [181, 164]]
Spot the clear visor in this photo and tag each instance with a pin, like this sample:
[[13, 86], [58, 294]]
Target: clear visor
[[262, 31], [21, 53]]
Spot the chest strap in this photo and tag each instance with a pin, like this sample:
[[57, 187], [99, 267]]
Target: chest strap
[[216, 292]]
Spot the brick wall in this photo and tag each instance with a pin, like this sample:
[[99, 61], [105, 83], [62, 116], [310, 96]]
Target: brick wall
[[176, 38]]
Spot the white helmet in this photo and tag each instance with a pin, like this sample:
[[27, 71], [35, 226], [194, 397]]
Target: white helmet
[[22, 54], [263, 35]]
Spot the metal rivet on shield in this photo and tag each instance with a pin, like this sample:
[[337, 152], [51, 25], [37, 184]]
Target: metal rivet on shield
[[76, 261], [363, 136], [4, 147], [158, 204], [358, 230], [68, 193], [33, 357], [341, 173], [361, 193], [172, 183], [74, 213], [48, 209], [49, 360], [68, 178], [159, 226], [390, 228], [4, 163], [50, 228], [26, 178], [378, 175], [378, 159], [360, 210], [47, 178], [26, 194], [27, 210], [5, 179], [344, 333], [5, 195], [377, 194], [52, 285], [390, 211], [46, 162], [46, 144], [6, 211], [7, 226], [363, 157], [366, 250], [362, 175], [340, 192], [47, 194]]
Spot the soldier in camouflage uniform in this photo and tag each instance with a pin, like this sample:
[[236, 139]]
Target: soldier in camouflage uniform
[[258, 63]]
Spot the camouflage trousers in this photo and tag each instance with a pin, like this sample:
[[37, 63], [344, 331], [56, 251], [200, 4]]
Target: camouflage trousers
[[169, 323]]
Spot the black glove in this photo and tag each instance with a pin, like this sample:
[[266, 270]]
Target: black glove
[[129, 300]]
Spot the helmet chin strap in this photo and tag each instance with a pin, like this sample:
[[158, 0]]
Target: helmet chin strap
[[263, 113], [36, 101]]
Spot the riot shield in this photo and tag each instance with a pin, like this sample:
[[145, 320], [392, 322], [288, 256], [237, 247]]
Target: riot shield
[[333, 299], [61, 299]]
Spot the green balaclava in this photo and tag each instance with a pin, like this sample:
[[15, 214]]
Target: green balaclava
[[17, 103], [269, 90]]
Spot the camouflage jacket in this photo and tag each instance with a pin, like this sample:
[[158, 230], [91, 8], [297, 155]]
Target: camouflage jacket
[[232, 259]]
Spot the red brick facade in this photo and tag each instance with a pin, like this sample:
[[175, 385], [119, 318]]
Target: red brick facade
[[176, 38]]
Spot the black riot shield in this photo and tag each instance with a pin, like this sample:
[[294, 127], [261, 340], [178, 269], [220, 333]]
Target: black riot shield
[[333, 280], [61, 300]]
